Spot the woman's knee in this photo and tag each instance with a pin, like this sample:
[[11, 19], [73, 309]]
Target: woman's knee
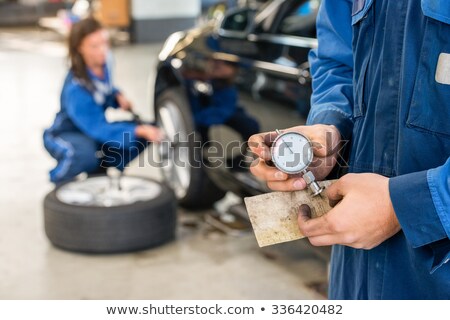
[[79, 155], [86, 161]]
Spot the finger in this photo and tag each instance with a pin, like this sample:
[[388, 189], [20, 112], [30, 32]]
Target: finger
[[291, 184], [324, 240], [343, 238], [269, 138], [337, 191], [319, 148], [320, 162], [325, 140], [312, 227], [267, 173], [324, 146], [334, 202], [158, 137], [257, 145], [321, 167], [304, 212]]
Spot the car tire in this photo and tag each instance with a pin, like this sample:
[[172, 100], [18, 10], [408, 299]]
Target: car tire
[[110, 229], [199, 191]]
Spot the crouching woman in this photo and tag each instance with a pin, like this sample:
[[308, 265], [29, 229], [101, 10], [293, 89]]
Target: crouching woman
[[81, 139]]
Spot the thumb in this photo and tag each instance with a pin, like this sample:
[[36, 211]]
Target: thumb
[[258, 146], [304, 214], [336, 192]]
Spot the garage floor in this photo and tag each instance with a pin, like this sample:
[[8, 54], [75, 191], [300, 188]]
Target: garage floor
[[202, 264]]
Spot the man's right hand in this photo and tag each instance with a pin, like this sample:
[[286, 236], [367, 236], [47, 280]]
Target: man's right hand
[[326, 142]]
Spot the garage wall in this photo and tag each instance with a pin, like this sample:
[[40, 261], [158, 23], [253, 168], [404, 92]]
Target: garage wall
[[154, 20]]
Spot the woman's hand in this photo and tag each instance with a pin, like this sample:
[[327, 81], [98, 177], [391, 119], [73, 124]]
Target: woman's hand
[[326, 142], [123, 102], [149, 132]]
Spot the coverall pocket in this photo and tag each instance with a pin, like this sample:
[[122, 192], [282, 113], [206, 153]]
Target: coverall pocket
[[360, 9], [430, 104], [363, 37]]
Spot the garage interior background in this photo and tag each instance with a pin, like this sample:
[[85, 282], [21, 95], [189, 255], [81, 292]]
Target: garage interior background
[[203, 262]]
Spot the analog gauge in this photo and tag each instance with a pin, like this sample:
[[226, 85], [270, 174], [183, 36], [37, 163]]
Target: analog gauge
[[292, 152]]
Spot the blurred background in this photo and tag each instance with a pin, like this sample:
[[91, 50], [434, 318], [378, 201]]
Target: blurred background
[[205, 261]]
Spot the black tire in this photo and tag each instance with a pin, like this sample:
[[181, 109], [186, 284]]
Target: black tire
[[201, 193], [116, 229]]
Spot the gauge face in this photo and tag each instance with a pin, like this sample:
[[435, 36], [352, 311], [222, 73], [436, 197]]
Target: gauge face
[[292, 152]]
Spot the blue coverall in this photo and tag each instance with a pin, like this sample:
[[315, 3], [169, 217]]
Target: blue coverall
[[381, 77], [81, 139]]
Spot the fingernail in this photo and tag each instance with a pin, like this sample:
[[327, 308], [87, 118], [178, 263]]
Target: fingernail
[[299, 184], [280, 175], [305, 210]]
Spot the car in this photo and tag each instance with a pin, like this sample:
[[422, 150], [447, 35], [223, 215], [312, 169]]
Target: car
[[221, 82]]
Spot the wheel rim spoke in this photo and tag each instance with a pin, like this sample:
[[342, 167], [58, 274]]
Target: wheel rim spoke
[[176, 175], [97, 191]]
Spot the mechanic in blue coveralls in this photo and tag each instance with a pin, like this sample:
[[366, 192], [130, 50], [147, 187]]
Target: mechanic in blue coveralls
[[381, 79], [81, 139]]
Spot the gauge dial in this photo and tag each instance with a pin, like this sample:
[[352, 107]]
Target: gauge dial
[[292, 152]]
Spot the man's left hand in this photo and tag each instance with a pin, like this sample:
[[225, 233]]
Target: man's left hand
[[362, 216]]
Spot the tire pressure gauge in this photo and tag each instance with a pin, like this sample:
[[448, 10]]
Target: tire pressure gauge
[[292, 153]]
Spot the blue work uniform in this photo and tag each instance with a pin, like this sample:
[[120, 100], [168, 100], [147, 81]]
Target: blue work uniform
[[81, 139], [381, 76]]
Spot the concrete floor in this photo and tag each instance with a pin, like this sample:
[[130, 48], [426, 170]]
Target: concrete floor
[[201, 264]]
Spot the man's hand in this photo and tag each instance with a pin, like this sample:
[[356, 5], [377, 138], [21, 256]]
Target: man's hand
[[123, 102], [326, 142], [362, 217], [150, 133]]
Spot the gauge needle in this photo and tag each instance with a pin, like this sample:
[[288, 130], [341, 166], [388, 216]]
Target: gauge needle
[[282, 140]]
